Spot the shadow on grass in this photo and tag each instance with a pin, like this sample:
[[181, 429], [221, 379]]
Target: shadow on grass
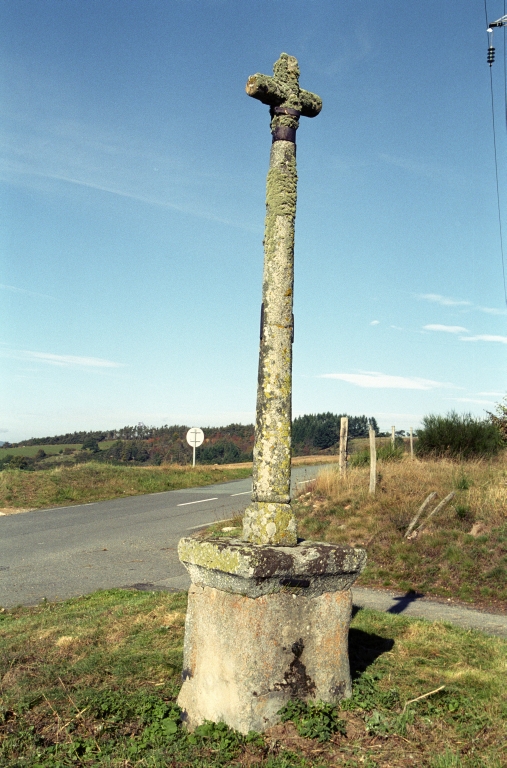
[[365, 648]]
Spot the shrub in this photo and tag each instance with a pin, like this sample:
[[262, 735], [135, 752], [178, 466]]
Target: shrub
[[90, 444], [500, 419], [126, 450], [222, 452], [21, 462], [6, 460], [457, 436]]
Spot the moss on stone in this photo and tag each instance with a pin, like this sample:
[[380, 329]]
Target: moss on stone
[[270, 523], [209, 555]]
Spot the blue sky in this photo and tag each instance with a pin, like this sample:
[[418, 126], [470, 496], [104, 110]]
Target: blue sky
[[132, 183]]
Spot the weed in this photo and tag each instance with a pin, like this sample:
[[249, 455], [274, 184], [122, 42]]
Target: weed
[[463, 512], [313, 720], [367, 694], [462, 482], [447, 760]]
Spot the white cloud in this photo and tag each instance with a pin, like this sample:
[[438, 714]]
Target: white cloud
[[373, 380], [472, 400], [375, 322], [492, 310], [491, 394], [448, 301], [485, 337], [446, 328], [444, 301], [61, 360]]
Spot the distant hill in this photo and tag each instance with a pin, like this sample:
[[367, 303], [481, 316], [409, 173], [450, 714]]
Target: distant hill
[[311, 434]]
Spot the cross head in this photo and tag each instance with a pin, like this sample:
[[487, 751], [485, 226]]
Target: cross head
[[287, 101]]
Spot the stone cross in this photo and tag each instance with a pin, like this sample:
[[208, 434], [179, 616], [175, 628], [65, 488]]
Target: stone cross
[[269, 519]]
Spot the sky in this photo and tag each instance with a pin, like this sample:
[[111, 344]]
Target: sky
[[132, 189]]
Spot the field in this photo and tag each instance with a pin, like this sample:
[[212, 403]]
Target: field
[[93, 682], [460, 554], [95, 481], [50, 450]]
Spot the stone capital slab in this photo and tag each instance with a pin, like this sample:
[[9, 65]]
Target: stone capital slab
[[240, 567]]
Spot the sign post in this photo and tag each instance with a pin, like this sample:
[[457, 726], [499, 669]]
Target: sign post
[[195, 438]]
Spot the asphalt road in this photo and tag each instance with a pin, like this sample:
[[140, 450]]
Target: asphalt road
[[69, 551]]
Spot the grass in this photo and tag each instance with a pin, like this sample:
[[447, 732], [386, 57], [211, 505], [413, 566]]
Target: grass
[[96, 481], [93, 682], [462, 553]]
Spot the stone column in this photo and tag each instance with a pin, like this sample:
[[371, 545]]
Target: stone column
[[269, 518]]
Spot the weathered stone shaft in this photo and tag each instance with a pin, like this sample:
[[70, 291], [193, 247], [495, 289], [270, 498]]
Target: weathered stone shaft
[[270, 519], [274, 409]]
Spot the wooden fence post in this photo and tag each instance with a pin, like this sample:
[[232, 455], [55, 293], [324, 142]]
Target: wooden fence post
[[373, 461], [344, 434], [393, 436], [411, 443]]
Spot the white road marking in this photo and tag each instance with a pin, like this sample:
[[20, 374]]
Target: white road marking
[[199, 501], [302, 482], [205, 525], [243, 493]]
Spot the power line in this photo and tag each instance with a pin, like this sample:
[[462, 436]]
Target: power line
[[505, 67], [496, 157]]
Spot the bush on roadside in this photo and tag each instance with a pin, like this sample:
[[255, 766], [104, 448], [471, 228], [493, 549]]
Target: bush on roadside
[[457, 436]]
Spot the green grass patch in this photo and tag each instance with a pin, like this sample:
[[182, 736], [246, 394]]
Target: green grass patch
[[49, 450], [95, 481], [93, 681]]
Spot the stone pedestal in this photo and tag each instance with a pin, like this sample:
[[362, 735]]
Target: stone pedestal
[[264, 625]]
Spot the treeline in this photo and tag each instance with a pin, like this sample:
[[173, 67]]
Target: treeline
[[322, 430], [312, 433], [139, 432]]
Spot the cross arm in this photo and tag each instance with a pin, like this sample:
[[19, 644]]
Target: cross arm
[[266, 89]]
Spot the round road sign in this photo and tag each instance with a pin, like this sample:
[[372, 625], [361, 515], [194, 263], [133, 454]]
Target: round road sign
[[195, 437]]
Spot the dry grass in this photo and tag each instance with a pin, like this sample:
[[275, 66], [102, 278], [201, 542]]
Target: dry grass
[[462, 553]]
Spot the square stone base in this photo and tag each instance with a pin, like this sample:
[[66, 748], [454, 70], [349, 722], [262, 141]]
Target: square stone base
[[245, 658]]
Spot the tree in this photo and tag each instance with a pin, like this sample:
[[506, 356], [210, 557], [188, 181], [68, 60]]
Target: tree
[[90, 444]]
